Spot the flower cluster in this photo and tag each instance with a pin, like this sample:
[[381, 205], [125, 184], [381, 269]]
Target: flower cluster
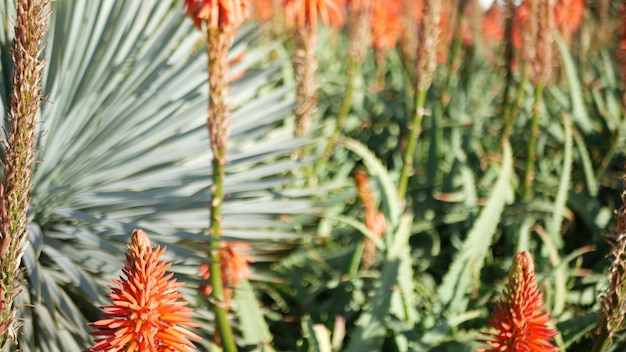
[[519, 320], [146, 314]]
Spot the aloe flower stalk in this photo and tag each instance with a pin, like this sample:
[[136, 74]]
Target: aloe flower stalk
[[520, 322], [220, 19], [359, 13], [508, 107], [146, 313], [429, 34], [303, 15], [613, 301], [538, 55], [410, 18], [24, 102]]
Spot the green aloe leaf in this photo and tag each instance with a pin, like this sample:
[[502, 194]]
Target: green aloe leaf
[[371, 326], [459, 280], [252, 323]]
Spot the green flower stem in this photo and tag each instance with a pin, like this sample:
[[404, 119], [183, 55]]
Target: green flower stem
[[218, 44], [510, 109], [453, 62], [355, 262], [509, 56], [602, 342], [532, 143], [415, 129], [217, 295]]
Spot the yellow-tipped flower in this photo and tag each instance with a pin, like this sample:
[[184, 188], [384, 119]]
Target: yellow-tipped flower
[[146, 314], [519, 320]]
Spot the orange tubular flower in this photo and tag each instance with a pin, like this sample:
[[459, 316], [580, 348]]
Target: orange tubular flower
[[217, 13], [520, 323], [305, 13], [146, 314]]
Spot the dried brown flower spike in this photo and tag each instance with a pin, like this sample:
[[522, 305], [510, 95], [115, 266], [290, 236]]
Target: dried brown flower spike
[[25, 100], [613, 301]]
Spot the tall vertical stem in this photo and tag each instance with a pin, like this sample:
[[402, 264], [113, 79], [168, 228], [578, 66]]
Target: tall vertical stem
[[218, 43], [529, 172], [359, 40], [415, 129], [425, 70], [305, 65], [509, 55]]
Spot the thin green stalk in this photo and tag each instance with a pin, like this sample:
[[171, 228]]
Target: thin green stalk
[[359, 23], [346, 104], [532, 143], [217, 295], [453, 63], [218, 45], [602, 342], [357, 254], [509, 110], [509, 55], [415, 130]]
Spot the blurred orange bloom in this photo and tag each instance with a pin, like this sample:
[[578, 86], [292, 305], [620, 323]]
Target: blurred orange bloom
[[519, 321], [306, 13], [567, 16], [234, 265], [217, 13], [385, 24], [493, 24], [146, 314], [418, 9], [569, 13], [264, 9]]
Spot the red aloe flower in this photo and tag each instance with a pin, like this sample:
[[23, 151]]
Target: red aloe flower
[[305, 13], [520, 323], [217, 13], [146, 314]]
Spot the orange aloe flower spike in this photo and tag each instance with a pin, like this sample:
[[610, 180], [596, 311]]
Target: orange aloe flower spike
[[146, 313], [519, 320]]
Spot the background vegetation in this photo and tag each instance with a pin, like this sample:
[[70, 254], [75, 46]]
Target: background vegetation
[[123, 145]]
